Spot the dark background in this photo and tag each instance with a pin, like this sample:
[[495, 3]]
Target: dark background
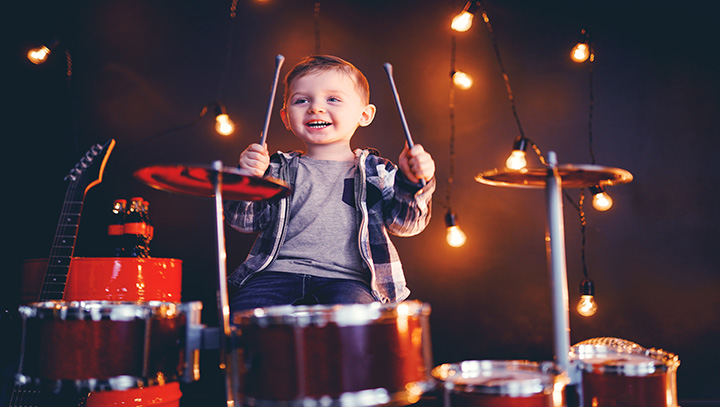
[[141, 72]]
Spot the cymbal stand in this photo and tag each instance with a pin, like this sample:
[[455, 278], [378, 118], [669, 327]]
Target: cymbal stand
[[222, 292], [555, 247]]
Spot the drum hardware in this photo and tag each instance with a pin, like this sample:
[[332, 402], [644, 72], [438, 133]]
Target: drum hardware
[[553, 178], [218, 182]]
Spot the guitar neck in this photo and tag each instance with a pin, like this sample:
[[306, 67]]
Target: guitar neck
[[61, 252]]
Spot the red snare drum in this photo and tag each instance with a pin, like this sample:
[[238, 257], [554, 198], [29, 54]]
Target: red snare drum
[[355, 355], [496, 383], [102, 345], [616, 372]]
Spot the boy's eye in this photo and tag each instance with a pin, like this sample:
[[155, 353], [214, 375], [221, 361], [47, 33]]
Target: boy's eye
[[333, 99], [299, 101]]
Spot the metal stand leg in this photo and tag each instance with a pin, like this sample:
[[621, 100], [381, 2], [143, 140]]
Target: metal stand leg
[[555, 246], [222, 292]]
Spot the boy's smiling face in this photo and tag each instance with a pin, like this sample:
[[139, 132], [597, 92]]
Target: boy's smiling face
[[325, 108]]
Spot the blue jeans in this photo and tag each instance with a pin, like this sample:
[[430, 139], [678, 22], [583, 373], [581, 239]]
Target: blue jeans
[[267, 288]]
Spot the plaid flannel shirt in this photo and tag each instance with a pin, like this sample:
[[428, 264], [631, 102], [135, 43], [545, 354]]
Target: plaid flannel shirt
[[385, 200]]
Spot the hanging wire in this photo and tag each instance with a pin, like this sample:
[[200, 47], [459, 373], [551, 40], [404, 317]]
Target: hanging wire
[[228, 51], [451, 106], [316, 16], [506, 78], [592, 103], [511, 98], [583, 224]]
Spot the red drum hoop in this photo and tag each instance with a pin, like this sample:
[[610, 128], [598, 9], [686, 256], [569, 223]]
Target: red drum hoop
[[617, 372], [346, 355], [103, 345], [501, 383]]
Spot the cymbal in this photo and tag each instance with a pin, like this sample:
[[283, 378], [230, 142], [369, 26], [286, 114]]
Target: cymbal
[[197, 180], [572, 176]]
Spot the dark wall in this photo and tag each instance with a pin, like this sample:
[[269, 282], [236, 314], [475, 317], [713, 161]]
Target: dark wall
[[141, 71]]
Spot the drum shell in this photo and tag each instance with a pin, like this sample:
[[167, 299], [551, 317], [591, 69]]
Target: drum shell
[[496, 383], [288, 358], [102, 345], [616, 372]]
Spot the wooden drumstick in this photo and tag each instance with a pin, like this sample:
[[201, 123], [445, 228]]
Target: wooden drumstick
[[278, 63], [408, 137]]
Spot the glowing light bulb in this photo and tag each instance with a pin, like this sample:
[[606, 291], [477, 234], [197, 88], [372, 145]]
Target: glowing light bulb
[[601, 200], [455, 236], [587, 305], [462, 22], [516, 160], [38, 55], [580, 52], [223, 124], [462, 80]]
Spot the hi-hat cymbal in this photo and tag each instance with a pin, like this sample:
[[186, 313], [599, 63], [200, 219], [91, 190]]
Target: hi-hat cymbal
[[572, 176], [198, 180]]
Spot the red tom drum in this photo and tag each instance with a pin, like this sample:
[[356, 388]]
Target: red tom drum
[[350, 355], [103, 345], [619, 373], [500, 383]]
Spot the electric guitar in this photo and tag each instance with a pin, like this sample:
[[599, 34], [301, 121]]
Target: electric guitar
[[86, 174]]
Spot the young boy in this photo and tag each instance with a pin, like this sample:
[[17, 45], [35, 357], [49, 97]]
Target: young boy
[[328, 243]]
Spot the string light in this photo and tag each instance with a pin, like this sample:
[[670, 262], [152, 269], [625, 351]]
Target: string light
[[223, 125], [462, 80], [581, 51], [587, 306], [40, 54], [463, 21], [455, 236], [601, 200], [517, 160]]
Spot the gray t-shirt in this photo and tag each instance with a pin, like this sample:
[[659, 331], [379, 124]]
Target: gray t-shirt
[[322, 238]]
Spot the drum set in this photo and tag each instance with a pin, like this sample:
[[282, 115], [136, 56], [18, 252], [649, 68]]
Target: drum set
[[358, 355]]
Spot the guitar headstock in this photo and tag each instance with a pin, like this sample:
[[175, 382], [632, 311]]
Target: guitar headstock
[[85, 173]]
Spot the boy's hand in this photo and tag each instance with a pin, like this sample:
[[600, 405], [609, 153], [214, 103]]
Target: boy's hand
[[417, 164], [254, 160]]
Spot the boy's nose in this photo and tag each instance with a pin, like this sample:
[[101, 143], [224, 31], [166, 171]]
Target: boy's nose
[[316, 108]]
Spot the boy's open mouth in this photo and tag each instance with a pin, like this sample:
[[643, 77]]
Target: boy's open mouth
[[317, 124]]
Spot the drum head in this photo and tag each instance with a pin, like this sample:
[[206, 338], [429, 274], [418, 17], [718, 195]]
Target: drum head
[[502, 378]]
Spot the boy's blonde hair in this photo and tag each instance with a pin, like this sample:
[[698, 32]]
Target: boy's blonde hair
[[324, 63]]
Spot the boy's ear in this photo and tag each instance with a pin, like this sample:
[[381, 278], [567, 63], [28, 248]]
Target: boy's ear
[[368, 114], [283, 116]]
